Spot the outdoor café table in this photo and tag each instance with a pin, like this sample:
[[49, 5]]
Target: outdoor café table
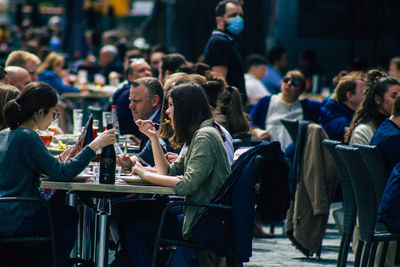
[[103, 204]]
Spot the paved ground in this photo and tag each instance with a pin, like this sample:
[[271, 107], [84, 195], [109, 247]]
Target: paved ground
[[280, 252]]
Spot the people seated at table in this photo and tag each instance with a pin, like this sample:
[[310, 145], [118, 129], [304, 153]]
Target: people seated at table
[[256, 66], [277, 59], [338, 111], [7, 93], [198, 174], [18, 77], [24, 156], [50, 72], [137, 68], [266, 115], [376, 107], [387, 136], [25, 60]]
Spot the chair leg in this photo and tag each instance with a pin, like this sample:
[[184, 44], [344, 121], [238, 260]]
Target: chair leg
[[359, 250], [372, 254], [383, 254], [272, 228], [340, 254], [346, 249], [365, 256], [318, 253]]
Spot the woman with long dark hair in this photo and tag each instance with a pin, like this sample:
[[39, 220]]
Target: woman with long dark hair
[[198, 174]]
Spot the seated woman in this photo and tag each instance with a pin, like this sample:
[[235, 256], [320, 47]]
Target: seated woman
[[50, 71], [198, 174], [267, 113], [24, 157], [377, 105], [7, 93]]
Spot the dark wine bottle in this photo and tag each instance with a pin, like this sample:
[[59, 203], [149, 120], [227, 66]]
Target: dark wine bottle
[[107, 163]]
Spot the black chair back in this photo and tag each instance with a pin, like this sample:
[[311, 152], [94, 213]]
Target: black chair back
[[376, 167], [23, 239], [363, 189], [349, 204], [291, 126]]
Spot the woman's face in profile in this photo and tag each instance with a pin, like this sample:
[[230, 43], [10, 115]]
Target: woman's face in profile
[[170, 112], [386, 104], [44, 120]]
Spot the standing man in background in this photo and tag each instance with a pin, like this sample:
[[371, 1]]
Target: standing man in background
[[221, 52]]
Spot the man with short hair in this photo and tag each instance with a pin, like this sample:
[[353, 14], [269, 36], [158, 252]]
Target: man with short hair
[[25, 60], [221, 52], [146, 95], [169, 65], [394, 67], [387, 137], [338, 111], [137, 68], [18, 77], [277, 65], [256, 66]]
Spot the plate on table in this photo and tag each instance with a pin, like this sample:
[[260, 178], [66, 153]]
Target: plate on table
[[133, 179], [55, 151], [82, 177]]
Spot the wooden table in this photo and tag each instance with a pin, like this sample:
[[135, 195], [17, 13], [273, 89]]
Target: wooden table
[[103, 204]]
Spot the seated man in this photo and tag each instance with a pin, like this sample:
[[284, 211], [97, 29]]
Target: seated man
[[137, 68], [338, 111], [256, 66], [387, 137], [267, 113]]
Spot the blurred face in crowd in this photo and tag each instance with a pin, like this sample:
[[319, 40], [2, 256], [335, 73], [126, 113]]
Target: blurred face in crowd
[[394, 71], [291, 88], [155, 61], [105, 58], [258, 71], [140, 69], [385, 105], [31, 67], [18, 77], [141, 105], [358, 96]]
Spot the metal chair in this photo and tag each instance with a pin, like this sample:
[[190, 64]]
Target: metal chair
[[365, 199], [35, 238], [349, 205]]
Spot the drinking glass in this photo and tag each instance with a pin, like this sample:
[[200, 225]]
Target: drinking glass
[[46, 137], [106, 119], [95, 128], [77, 120]]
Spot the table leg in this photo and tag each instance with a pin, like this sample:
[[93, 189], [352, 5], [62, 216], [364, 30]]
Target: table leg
[[103, 212]]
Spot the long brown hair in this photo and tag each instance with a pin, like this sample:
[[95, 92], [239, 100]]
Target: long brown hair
[[377, 85], [191, 108]]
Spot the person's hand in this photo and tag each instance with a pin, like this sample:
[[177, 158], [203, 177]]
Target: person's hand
[[139, 169], [147, 127], [263, 134], [106, 138], [171, 157], [150, 169], [125, 162]]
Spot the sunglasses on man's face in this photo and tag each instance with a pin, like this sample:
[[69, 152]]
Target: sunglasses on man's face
[[292, 81]]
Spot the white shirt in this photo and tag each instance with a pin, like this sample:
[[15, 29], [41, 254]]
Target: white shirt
[[255, 89], [278, 110]]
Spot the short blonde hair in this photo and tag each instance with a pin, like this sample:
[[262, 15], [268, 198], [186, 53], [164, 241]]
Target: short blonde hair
[[20, 57]]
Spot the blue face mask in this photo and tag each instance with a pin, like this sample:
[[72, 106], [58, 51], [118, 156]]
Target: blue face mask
[[235, 25]]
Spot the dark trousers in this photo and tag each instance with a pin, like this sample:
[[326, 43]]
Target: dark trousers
[[140, 235], [65, 220]]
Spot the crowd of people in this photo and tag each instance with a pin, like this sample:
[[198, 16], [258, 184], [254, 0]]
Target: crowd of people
[[183, 115]]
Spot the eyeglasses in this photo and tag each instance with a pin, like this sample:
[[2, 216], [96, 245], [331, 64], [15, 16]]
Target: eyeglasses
[[292, 81], [55, 115]]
